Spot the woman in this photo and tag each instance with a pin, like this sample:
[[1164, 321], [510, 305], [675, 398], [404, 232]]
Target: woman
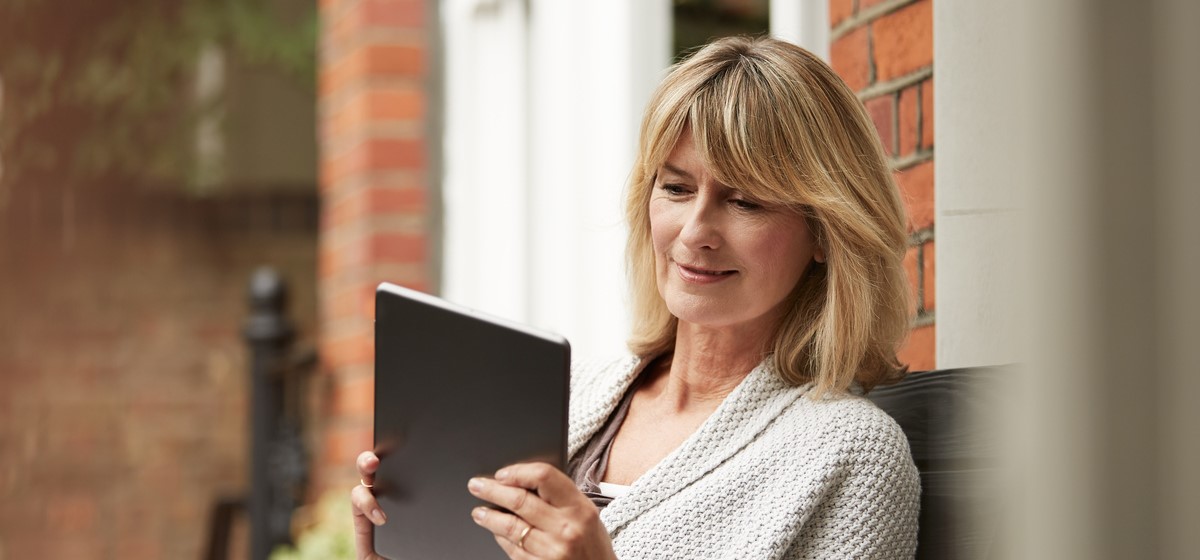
[[766, 238]]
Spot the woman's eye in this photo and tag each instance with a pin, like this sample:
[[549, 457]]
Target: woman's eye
[[744, 204], [674, 190]]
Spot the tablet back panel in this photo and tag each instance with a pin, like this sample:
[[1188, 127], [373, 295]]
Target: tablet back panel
[[457, 394]]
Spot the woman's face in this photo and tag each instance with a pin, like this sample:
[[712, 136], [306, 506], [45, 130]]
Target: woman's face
[[722, 259]]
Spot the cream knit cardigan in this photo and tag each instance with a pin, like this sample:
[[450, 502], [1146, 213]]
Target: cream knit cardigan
[[769, 475]]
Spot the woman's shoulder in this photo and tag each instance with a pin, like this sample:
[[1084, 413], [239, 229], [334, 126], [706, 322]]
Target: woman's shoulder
[[847, 425], [589, 367], [596, 386], [588, 372]]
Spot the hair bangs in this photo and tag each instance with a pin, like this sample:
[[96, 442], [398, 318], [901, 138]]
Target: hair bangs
[[735, 130]]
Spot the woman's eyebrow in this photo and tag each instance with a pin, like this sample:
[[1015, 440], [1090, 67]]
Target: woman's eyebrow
[[677, 171]]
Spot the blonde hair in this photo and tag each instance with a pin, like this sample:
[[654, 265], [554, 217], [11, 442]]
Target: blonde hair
[[775, 122]]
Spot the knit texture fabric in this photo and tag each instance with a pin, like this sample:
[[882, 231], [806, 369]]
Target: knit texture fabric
[[771, 474]]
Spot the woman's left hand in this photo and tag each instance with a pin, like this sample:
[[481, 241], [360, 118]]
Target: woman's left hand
[[550, 517]]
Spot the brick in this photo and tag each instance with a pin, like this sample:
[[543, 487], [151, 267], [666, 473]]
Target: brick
[[331, 171], [916, 188], [909, 132], [919, 350], [903, 40], [343, 444], [401, 103], [839, 10], [373, 61], [393, 60], [395, 103], [55, 545], [375, 201], [403, 200], [927, 114], [929, 261], [328, 262], [357, 301], [396, 154], [333, 260], [341, 30], [398, 248], [338, 32], [139, 546], [356, 348], [72, 514], [376, 154], [849, 57], [864, 4], [882, 112], [353, 395], [395, 13], [371, 249]]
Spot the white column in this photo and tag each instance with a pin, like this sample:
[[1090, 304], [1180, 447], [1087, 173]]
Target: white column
[[485, 183], [977, 193], [594, 66], [803, 22], [544, 100], [1066, 136]]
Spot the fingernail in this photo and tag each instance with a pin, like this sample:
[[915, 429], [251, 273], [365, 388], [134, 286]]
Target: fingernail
[[501, 474], [479, 513], [378, 517], [475, 485]]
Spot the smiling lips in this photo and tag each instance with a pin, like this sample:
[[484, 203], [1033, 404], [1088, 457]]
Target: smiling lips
[[696, 275]]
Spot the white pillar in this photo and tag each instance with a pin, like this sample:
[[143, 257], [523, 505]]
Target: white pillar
[[803, 22], [1066, 201], [594, 65], [976, 197], [544, 100]]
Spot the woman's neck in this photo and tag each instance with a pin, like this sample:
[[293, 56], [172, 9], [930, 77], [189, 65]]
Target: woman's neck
[[707, 365]]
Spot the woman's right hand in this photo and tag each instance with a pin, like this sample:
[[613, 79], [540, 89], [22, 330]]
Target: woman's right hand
[[367, 513]]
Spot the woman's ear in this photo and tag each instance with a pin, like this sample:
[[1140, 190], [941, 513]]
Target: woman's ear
[[819, 255]]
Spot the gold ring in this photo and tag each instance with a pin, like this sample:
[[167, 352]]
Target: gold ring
[[521, 539], [364, 483]]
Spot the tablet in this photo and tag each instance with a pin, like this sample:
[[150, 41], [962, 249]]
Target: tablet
[[457, 394]]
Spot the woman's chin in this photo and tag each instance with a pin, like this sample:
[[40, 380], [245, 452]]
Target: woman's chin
[[706, 316]]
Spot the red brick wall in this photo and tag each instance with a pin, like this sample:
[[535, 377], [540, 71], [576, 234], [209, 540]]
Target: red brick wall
[[884, 50], [375, 175], [123, 381]]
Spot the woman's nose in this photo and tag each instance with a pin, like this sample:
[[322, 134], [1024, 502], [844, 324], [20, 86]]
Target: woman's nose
[[701, 229]]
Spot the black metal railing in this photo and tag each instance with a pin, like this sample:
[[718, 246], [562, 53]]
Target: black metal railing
[[278, 455]]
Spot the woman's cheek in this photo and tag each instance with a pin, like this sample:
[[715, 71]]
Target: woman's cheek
[[660, 226]]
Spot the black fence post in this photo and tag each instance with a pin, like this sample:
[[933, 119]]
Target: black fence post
[[268, 334]]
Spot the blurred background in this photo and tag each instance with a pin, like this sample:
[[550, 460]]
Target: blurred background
[[198, 198]]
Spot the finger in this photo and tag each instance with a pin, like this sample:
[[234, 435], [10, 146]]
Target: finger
[[365, 505], [364, 529], [542, 478], [507, 529], [512, 551], [364, 538], [518, 500], [367, 464]]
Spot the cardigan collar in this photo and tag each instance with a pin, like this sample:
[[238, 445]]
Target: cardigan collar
[[737, 421]]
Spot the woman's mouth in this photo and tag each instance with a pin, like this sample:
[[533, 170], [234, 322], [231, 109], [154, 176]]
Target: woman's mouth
[[698, 275]]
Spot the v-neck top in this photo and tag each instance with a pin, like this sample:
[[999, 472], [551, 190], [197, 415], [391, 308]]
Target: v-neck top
[[774, 473], [589, 466]]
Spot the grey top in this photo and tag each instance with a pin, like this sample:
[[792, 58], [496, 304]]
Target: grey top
[[587, 467]]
